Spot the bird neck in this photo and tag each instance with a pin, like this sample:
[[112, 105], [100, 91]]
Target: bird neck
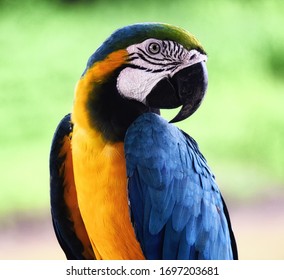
[[99, 161], [98, 107]]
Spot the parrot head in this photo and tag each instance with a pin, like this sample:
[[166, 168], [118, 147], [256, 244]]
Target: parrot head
[[144, 67]]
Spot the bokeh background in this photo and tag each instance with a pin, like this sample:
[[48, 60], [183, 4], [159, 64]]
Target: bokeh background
[[44, 47]]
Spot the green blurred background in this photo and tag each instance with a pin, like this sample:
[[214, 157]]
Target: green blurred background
[[44, 47]]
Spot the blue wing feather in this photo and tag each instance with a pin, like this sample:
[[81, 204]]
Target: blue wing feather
[[176, 206]]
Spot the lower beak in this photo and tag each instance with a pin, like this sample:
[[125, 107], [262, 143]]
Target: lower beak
[[186, 88]]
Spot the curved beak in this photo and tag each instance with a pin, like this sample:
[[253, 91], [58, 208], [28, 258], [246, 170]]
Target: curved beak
[[191, 84], [185, 88]]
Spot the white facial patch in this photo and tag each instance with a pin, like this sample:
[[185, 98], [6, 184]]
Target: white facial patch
[[150, 62], [136, 83]]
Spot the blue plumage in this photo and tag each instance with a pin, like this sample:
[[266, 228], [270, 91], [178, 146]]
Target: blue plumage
[[176, 206]]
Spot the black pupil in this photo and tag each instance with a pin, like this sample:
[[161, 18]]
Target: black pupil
[[154, 48]]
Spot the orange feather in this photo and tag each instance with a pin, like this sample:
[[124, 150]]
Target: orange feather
[[100, 174], [70, 198]]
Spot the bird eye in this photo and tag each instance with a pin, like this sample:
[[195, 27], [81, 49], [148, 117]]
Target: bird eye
[[154, 48]]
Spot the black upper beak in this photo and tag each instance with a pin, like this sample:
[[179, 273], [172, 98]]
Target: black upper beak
[[186, 88]]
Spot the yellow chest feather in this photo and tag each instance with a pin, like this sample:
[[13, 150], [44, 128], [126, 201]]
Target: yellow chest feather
[[101, 184]]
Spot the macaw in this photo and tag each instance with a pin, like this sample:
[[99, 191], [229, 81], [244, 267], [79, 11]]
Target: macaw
[[124, 182]]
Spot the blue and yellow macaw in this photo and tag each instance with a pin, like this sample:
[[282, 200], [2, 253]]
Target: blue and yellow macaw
[[125, 183]]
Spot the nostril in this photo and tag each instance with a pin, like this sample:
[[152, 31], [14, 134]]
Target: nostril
[[193, 56]]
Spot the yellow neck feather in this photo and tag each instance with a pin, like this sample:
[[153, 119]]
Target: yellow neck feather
[[100, 174], [86, 85]]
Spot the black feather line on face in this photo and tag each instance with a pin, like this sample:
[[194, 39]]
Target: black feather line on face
[[169, 50], [143, 55]]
